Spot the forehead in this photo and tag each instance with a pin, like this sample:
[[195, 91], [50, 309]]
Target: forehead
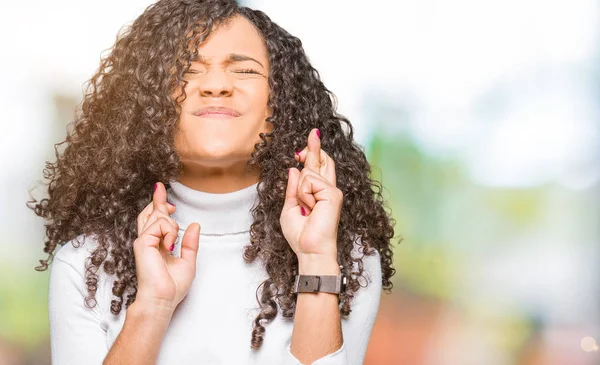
[[237, 35]]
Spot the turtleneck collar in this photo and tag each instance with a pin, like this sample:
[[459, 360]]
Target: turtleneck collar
[[218, 214]]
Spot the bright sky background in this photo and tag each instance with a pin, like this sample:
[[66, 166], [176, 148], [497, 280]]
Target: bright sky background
[[506, 85], [441, 59]]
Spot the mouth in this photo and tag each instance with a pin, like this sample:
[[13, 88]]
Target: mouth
[[214, 111]]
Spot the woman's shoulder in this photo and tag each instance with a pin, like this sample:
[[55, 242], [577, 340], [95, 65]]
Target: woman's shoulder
[[76, 252]]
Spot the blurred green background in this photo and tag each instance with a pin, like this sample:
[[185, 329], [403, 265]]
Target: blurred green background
[[479, 118]]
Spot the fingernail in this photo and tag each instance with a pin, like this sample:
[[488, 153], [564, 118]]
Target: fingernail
[[172, 247], [155, 186], [298, 152], [302, 211], [170, 203], [318, 133]]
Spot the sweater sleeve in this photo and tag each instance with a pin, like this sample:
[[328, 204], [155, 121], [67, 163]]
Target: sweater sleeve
[[357, 327], [76, 335]]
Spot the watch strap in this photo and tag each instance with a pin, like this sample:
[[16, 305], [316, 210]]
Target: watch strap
[[319, 283]]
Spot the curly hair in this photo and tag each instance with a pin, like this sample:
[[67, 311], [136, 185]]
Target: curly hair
[[121, 142]]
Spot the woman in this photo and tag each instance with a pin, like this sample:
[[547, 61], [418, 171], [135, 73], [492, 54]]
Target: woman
[[208, 192]]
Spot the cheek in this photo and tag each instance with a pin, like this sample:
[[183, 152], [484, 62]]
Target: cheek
[[262, 100], [258, 97], [180, 142]]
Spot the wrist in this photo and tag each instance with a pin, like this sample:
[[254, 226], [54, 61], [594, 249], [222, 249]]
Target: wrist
[[151, 310], [318, 265]]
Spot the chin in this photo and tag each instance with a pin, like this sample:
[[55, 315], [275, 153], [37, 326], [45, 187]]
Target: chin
[[220, 158]]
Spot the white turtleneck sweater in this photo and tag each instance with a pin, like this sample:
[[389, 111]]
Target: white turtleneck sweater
[[213, 324]]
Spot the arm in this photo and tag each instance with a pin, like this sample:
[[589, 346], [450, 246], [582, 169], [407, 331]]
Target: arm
[[309, 221], [317, 327], [141, 337], [317, 321], [163, 282]]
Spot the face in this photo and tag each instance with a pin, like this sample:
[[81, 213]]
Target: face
[[226, 98]]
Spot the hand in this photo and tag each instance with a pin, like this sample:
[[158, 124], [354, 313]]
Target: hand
[[163, 280], [311, 212]]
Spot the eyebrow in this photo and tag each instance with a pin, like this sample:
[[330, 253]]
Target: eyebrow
[[232, 57]]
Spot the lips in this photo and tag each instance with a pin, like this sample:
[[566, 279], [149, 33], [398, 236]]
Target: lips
[[216, 111]]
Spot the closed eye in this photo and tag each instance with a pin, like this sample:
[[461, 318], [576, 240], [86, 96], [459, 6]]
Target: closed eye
[[242, 71], [247, 71]]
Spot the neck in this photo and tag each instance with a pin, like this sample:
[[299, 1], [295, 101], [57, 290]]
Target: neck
[[218, 179], [218, 213]]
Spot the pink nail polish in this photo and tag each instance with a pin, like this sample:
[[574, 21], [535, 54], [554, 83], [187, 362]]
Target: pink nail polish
[[155, 186], [298, 152], [318, 133], [172, 247], [303, 211]]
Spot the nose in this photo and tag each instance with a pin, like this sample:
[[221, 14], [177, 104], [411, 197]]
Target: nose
[[215, 84]]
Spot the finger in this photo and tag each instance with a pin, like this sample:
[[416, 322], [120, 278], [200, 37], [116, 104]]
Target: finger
[[156, 215], [291, 189], [300, 155], [306, 188], [142, 218], [313, 155], [327, 169], [190, 242], [171, 207], [159, 198], [316, 188], [300, 152], [161, 231], [144, 215]]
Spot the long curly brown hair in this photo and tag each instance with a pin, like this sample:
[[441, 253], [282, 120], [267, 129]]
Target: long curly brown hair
[[122, 142]]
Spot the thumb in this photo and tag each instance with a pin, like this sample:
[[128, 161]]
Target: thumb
[[291, 191], [189, 243]]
